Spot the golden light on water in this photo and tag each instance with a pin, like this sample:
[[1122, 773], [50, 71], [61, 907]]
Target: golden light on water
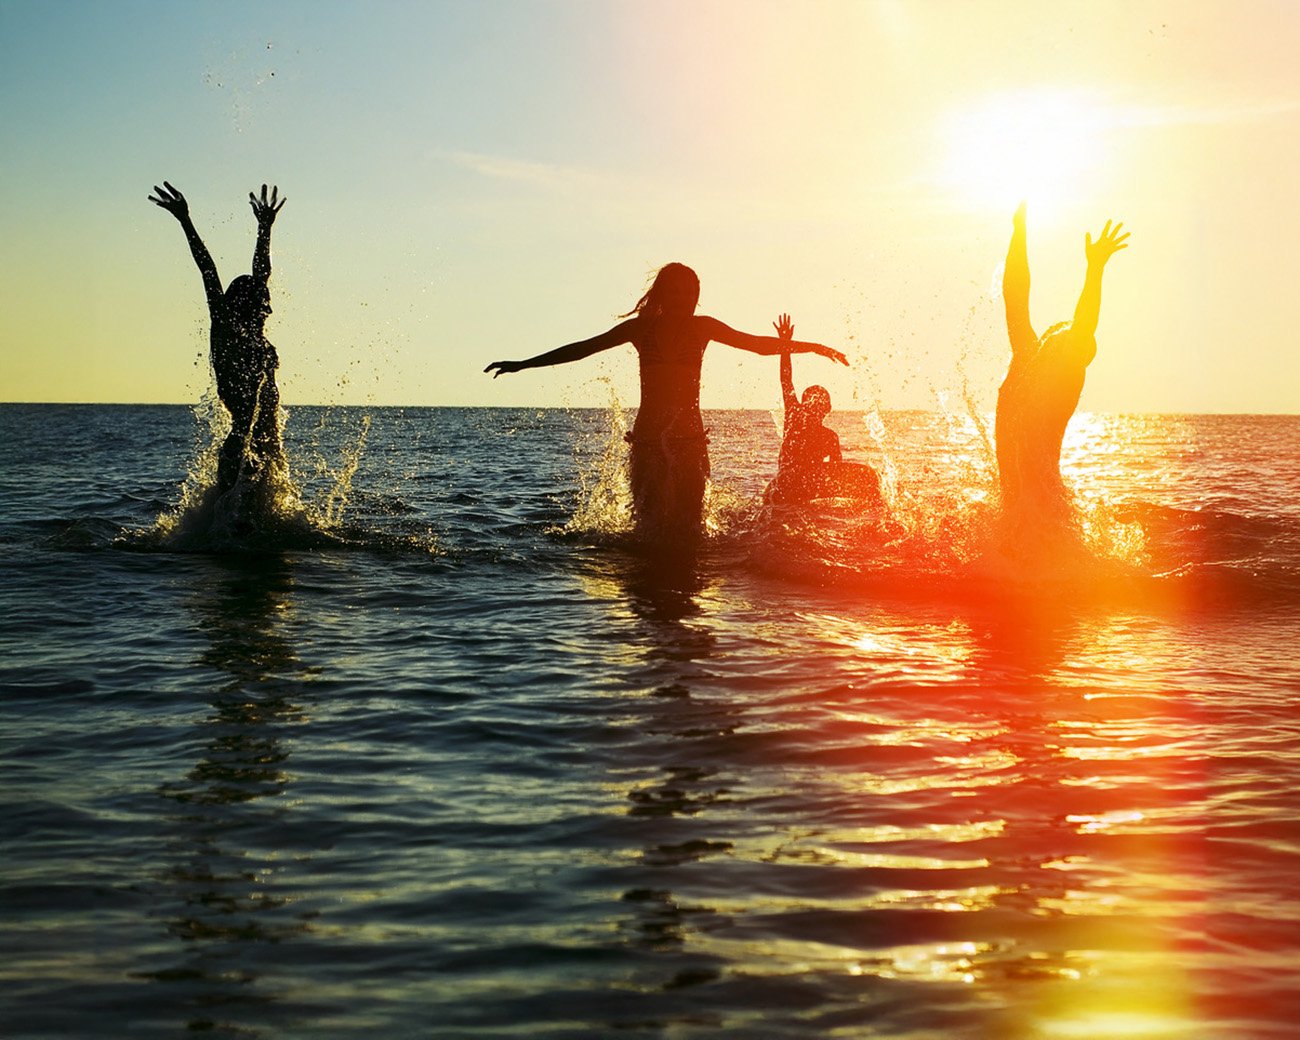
[[1097, 1025]]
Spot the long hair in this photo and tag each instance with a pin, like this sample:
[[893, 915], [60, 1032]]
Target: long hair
[[676, 289]]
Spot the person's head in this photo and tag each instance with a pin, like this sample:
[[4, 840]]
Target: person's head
[[816, 403], [248, 301], [675, 291]]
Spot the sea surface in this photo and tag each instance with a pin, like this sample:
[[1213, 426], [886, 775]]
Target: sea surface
[[444, 755]]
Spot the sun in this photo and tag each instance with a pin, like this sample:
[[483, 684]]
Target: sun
[[1042, 145]]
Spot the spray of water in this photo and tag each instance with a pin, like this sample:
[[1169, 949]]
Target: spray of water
[[327, 510], [603, 506], [263, 507]]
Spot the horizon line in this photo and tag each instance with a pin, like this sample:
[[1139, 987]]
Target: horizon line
[[584, 408]]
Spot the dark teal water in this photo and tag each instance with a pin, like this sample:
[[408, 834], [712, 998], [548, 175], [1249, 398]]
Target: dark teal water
[[464, 766]]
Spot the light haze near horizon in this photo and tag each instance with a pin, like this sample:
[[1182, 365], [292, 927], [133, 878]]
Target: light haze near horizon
[[473, 182]]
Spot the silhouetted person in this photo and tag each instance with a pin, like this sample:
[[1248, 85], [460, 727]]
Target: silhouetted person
[[1045, 378], [669, 464], [242, 357], [811, 463]]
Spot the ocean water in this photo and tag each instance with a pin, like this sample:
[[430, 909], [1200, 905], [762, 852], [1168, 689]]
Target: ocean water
[[442, 756]]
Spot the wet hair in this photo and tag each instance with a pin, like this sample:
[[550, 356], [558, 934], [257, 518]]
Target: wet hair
[[676, 288], [817, 399], [246, 298]]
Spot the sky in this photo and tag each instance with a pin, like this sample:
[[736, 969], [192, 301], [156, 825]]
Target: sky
[[488, 179]]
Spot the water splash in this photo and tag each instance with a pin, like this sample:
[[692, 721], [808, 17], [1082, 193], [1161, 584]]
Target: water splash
[[942, 528], [887, 471], [264, 507], [327, 510], [603, 505]]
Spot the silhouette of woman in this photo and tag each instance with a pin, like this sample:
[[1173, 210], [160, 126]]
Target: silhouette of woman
[[811, 463], [242, 357], [669, 463], [1045, 378]]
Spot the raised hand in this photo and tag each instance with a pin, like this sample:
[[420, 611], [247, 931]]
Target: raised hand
[[784, 327], [171, 200], [503, 368], [266, 208], [1107, 245]]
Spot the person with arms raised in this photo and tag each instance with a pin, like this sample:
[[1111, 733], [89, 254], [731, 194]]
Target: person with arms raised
[[1044, 380], [243, 359], [811, 463], [669, 459]]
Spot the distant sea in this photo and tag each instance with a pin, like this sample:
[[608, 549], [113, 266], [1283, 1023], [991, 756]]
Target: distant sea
[[444, 756]]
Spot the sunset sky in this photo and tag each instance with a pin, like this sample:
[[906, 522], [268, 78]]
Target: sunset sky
[[470, 181]]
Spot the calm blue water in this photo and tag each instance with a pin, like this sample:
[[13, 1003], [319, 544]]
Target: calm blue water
[[456, 763]]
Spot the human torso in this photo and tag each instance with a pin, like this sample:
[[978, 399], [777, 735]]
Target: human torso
[[1054, 383], [1035, 402], [807, 443], [245, 366], [808, 447], [671, 352]]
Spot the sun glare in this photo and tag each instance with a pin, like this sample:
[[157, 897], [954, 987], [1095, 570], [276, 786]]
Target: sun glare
[[1043, 146]]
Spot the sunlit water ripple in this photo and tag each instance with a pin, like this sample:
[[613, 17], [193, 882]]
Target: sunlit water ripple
[[471, 768]]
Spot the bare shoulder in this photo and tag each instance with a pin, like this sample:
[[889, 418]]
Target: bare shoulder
[[709, 328]]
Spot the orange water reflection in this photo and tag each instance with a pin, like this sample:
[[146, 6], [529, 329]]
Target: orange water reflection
[[1076, 760]]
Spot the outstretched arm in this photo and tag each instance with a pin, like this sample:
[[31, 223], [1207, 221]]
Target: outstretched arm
[[265, 210], [1088, 309], [619, 334], [785, 330], [723, 333], [174, 203], [1015, 288]]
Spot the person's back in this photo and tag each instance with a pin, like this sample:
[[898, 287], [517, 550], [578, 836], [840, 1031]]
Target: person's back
[[670, 351], [808, 449], [1045, 378], [1035, 404], [245, 363], [808, 444]]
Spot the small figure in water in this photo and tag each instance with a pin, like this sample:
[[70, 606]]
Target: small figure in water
[[669, 463], [1044, 380], [242, 357], [811, 463]]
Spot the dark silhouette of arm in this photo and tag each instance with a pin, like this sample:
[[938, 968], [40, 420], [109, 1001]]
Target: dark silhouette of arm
[[768, 345], [785, 330], [174, 203], [1015, 289], [619, 334], [265, 210], [1088, 310]]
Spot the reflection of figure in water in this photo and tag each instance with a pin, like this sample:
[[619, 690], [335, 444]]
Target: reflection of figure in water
[[242, 357], [230, 893], [1045, 379], [810, 464], [670, 457]]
